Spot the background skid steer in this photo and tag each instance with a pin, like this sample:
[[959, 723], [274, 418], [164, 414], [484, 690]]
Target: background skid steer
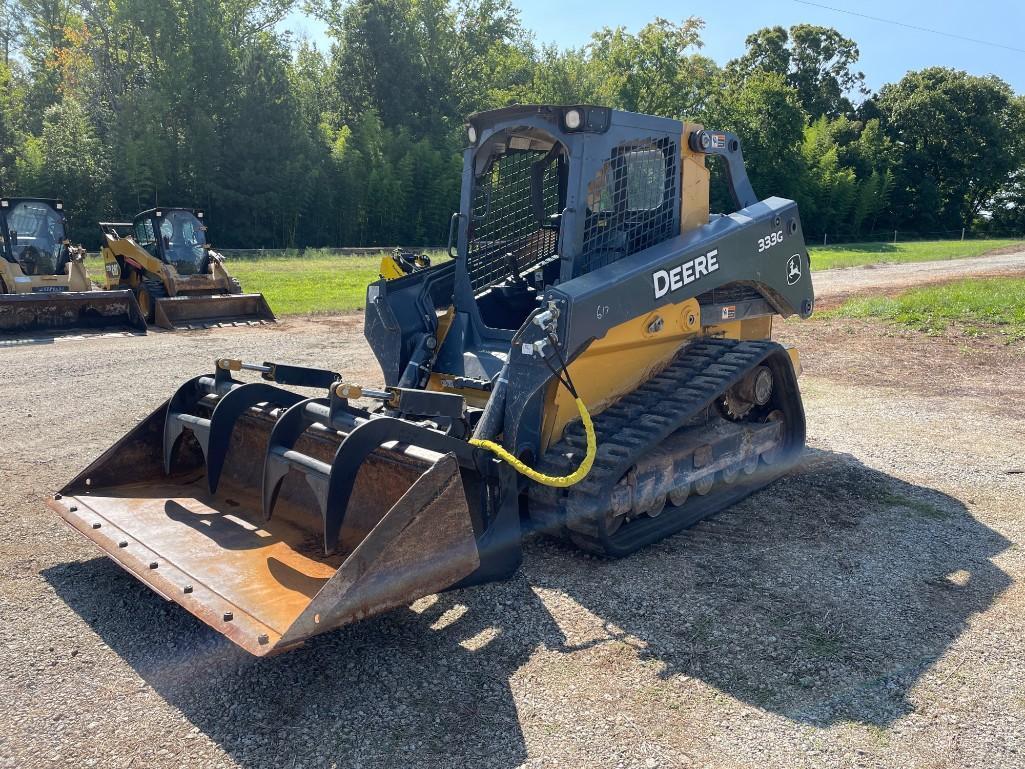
[[589, 279], [163, 257], [43, 281]]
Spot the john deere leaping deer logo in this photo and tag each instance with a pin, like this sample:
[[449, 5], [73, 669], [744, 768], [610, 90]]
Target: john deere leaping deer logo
[[793, 269]]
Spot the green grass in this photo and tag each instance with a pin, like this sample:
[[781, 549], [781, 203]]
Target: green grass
[[859, 254], [323, 283], [308, 285], [317, 283], [977, 307]]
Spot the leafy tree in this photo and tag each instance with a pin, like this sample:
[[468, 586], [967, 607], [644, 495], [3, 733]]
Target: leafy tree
[[960, 139], [653, 71], [394, 57], [765, 113], [8, 129], [10, 29], [73, 167], [816, 61]]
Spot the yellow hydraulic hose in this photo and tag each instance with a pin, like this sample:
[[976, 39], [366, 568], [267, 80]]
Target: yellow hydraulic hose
[[559, 481]]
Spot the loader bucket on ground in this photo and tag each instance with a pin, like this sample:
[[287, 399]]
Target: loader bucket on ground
[[62, 310], [211, 310], [264, 579]]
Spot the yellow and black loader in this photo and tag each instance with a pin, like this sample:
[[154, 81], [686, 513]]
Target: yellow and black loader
[[162, 256], [44, 285], [595, 363]]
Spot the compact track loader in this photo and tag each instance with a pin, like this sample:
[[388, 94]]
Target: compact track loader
[[163, 257], [595, 363], [44, 285]]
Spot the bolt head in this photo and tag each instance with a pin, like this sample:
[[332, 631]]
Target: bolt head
[[123, 543], [188, 588], [153, 564], [97, 525], [228, 616]]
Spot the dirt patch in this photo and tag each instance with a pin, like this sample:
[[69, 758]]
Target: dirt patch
[[880, 354], [1013, 248]]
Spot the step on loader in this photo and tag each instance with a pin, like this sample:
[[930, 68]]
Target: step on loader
[[595, 363], [163, 257], [44, 285]]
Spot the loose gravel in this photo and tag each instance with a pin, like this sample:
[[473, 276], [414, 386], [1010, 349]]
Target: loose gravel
[[865, 611]]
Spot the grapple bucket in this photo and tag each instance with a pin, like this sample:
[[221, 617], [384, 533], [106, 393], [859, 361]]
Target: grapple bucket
[[62, 310], [211, 310], [273, 517]]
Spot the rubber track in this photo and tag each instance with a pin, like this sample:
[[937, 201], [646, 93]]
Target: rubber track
[[639, 422]]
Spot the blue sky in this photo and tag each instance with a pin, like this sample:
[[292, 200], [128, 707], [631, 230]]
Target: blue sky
[[887, 51]]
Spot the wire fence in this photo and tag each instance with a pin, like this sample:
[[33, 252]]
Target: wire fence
[[903, 236]]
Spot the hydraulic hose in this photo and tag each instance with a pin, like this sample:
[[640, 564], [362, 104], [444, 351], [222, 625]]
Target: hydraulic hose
[[558, 481]]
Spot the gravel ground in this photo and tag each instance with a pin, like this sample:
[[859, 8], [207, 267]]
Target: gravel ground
[[865, 611]]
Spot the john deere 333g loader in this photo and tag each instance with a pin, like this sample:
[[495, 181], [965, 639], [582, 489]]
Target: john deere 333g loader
[[44, 285], [595, 363], [163, 257]]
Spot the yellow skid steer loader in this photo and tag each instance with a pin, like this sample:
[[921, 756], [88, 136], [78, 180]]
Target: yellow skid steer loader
[[44, 285], [163, 257], [594, 363]]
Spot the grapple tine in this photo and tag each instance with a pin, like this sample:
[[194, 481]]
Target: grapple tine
[[284, 434], [226, 413], [180, 405], [360, 444]]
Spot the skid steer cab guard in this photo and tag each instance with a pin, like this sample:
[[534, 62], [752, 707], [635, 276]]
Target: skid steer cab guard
[[164, 258], [595, 362], [44, 285], [274, 517]]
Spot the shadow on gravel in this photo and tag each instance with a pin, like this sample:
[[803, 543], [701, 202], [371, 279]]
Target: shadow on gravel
[[823, 598]]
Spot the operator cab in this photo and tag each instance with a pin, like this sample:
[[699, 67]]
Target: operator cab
[[554, 193], [33, 235], [175, 236]]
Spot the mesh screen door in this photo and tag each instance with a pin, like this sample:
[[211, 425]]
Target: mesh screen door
[[505, 220]]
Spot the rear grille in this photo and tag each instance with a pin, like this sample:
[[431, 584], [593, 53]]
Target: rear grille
[[731, 293]]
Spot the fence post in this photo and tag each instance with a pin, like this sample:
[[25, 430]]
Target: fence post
[[824, 237], [962, 233], [894, 237]]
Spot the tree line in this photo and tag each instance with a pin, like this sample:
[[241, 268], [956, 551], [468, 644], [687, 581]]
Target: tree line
[[121, 105]]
